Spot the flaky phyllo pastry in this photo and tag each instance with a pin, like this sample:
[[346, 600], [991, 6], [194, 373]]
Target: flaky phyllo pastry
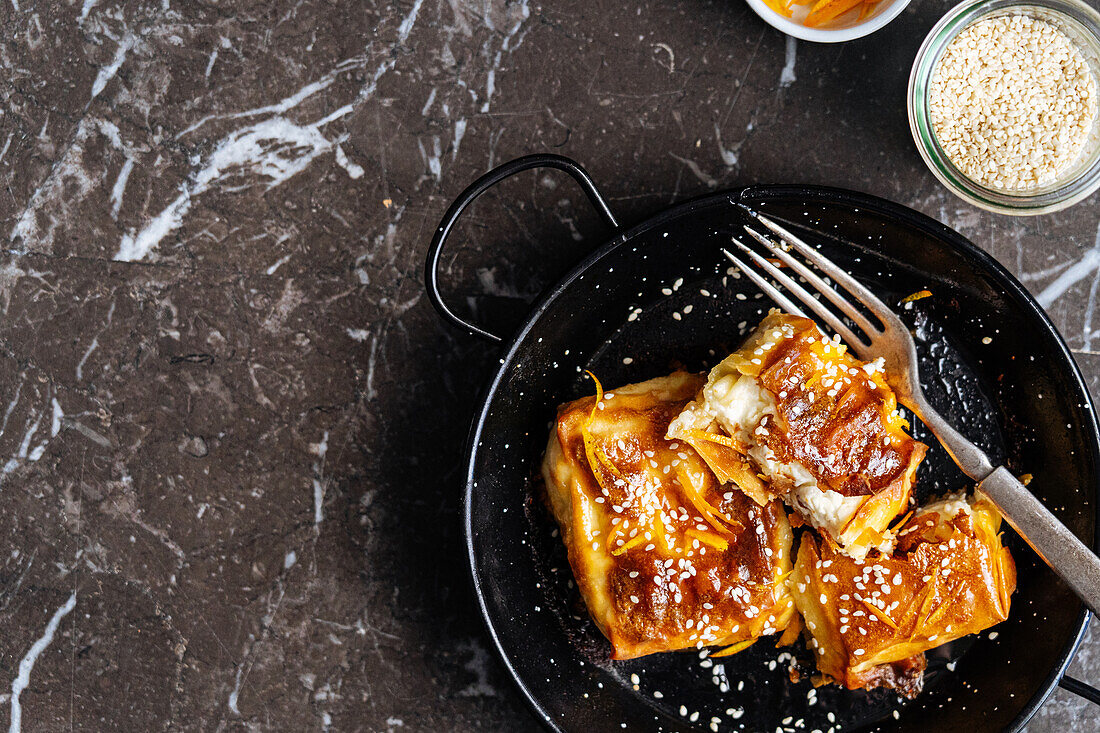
[[792, 415], [670, 497], [870, 621], [665, 557]]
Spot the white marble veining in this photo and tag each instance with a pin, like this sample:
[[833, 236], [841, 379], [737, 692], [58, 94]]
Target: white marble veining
[[26, 665], [787, 75], [217, 215], [1071, 275]]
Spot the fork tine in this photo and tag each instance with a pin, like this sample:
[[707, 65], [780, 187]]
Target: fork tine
[[806, 297], [770, 290], [865, 296], [812, 277]]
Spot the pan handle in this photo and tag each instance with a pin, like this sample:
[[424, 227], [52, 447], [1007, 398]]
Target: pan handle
[[480, 186], [1078, 687]]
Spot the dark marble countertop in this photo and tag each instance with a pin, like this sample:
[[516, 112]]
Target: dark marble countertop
[[232, 426]]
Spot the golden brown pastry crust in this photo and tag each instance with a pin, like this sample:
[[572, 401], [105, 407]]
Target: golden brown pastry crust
[[664, 557], [834, 416], [837, 415], [949, 576]]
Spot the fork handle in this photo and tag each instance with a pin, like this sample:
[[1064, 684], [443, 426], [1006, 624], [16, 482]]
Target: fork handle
[[1068, 556]]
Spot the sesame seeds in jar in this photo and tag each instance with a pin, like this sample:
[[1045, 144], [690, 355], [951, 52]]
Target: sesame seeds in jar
[[1012, 102], [1002, 103]]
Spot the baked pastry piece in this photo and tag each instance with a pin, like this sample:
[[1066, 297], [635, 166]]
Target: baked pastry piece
[[664, 556], [791, 414], [870, 621]]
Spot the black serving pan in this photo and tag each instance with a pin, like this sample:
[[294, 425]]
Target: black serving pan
[[1020, 396]]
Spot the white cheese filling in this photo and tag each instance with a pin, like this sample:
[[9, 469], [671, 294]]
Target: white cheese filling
[[739, 403]]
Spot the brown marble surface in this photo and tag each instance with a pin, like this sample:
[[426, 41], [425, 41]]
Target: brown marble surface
[[232, 426]]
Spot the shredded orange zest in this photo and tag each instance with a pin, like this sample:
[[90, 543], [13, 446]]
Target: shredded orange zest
[[702, 507], [629, 544], [824, 11], [916, 296], [590, 451], [593, 461], [779, 7], [599, 399], [606, 462], [597, 458], [879, 614], [731, 650], [657, 527], [1025, 478], [709, 538], [712, 438], [711, 514]]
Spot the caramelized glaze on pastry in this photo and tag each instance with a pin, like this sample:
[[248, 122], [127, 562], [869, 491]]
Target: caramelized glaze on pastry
[[871, 621], [792, 414], [665, 557]]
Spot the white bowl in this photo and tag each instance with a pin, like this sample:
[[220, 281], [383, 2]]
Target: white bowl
[[886, 11]]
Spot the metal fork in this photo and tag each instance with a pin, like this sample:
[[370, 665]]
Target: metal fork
[[1052, 540]]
